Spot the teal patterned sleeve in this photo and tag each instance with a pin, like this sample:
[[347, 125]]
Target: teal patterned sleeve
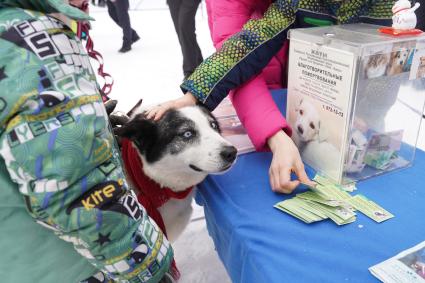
[[243, 55], [58, 147], [247, 52]]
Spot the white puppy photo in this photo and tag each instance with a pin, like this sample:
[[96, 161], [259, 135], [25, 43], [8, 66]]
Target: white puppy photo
[[311, 137]]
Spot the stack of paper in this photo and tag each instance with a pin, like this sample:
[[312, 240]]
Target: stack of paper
[[327, 200]]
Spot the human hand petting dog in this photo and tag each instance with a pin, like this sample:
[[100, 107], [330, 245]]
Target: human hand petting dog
[[157, 111], [286, 159]]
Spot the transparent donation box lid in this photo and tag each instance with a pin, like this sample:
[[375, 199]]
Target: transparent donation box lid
[[355, 99]]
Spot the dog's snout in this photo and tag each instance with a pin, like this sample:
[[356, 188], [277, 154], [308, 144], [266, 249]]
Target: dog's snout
[[228, 153], [300, 130]]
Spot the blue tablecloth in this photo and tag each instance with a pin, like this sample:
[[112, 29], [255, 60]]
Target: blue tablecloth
[[257, 243]]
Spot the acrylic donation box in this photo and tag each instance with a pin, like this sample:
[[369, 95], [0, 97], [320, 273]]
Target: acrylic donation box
[[355, 99]]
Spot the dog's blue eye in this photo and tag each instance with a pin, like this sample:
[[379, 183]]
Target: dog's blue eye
[[187, 134]]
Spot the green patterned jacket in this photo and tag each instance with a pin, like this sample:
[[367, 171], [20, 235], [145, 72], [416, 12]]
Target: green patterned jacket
[[59, 152], [246, 53]]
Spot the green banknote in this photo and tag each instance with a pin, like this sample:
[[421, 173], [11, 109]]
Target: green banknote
[[299, 209], [315, 197], [370, 208], [320, 179], [340, 215], [326, 200], [330, 192]]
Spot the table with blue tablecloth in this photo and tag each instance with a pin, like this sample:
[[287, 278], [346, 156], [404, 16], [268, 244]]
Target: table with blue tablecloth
[[258, 243]]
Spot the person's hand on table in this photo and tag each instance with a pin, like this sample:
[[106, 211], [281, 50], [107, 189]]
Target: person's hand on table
[[157, 111], [286, 159]]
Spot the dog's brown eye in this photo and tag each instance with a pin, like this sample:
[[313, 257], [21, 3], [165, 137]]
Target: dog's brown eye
[[301, 112], [312, 126]]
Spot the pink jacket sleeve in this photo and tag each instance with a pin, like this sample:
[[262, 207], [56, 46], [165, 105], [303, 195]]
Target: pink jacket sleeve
[[252, 101], [258, 112]]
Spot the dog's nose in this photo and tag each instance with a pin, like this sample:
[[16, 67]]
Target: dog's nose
[[300, 130], [228, 153]]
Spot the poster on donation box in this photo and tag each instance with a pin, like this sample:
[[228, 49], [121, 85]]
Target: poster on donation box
[[319, 86]]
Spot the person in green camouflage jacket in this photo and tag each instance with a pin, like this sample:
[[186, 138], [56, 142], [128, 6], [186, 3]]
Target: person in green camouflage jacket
[[57, 149]]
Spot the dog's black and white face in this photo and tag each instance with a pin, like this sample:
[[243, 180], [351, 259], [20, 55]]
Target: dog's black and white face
[[180, 149]]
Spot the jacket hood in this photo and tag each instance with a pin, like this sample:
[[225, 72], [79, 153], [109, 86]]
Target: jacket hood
[[48, 7]]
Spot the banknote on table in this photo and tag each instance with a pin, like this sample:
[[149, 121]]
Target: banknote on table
[[326, 200], [329, 190], [370, 208], [350, 187], [311, 207], [406, 267], [314, 196], [301, 210], [340, 215]]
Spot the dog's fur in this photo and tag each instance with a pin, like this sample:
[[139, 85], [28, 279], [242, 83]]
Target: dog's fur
[[311, 138], [421, 68], [178, 152], [376, 65], [398, 60], [307, 122]]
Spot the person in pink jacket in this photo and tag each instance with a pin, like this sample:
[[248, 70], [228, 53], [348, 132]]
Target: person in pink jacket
[[250, 37], [253, 102]]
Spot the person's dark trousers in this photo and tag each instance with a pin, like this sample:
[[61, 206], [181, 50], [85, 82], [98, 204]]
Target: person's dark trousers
[[118, 11], [183, 14]]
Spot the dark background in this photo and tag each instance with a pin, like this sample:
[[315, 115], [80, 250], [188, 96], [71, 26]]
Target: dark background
[[420, 13]]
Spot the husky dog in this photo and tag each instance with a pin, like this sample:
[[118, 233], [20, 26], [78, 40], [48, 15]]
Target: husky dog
[[179, 151]]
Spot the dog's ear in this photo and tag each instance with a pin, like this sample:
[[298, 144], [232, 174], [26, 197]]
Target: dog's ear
[[140, 130], [323, 133], [297, 108], [110, 105]]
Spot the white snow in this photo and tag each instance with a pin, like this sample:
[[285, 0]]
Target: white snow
[[152, 70]]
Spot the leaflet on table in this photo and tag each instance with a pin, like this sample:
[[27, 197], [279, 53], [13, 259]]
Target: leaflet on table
[[406, 267], [231, 127], [319, 92]]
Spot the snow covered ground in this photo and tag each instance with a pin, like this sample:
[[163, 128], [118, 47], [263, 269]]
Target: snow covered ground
[[152, 70]]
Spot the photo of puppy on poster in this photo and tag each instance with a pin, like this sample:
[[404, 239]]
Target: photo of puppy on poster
[[315, 134]]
